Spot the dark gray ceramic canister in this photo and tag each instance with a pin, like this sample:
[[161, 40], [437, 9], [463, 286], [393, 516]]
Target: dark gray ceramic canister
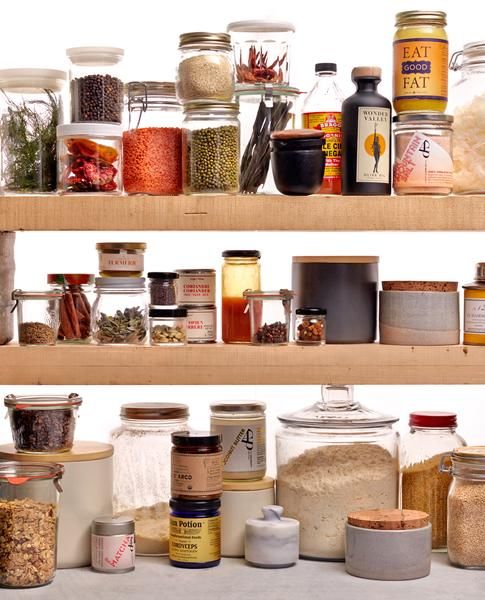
[[346, 286]]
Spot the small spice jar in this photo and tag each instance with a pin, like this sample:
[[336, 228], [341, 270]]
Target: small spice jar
[[201, 324], [474, 308], [37, 316], [196, 286], [96, 86], [196, 465], [205, 70], [242, 427], [195, 533], [89, 158], [113, 544], [162, 286], [210, 148], [121, 259], [423, 159], [310, 326], [74, 307], [168, 326], [270, 315]]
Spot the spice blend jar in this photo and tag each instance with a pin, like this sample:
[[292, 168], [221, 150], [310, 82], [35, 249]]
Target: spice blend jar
[[201, 323], [310, 326], [74, 307], [474, 308], [113, 544], [196, 286], [121, 259], [163, 290], [37, 316], [168, 326]]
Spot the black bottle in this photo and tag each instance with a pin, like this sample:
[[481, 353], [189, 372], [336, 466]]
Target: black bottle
[[366, 137]]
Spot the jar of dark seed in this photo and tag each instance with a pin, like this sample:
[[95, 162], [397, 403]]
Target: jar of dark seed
[[270, 316], [163, 288], [210, 148], [95, 83]]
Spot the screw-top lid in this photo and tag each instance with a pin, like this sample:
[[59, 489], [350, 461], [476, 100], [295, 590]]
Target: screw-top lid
[[95, 130], [241, 254], [70, 278], [196, 438], [121, 246], [432, 418], [95, 55], [260, 26], [120, 283], [480, 271], [196, 271], [220, 41], [32, 80], [366, 73], [195, 506], [326, 67], [418, 17], [238, 407], [162, 275], [430, 116], [212, 107], [113, 526], [154, 411], [311, 311], [251, 485], [167, 312]]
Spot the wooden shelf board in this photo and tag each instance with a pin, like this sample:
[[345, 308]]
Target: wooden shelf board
[[219, 364], [85, 212]]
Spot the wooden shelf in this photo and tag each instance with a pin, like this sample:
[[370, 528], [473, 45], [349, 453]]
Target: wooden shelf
[[241, 213], [219, 364]]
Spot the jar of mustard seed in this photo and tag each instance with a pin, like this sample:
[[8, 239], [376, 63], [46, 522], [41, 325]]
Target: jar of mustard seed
[[121, 259]]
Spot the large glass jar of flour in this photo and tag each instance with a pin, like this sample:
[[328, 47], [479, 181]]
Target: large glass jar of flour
[[333, 458]]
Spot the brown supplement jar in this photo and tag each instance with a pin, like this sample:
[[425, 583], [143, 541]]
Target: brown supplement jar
[[196, 465], [121, 259]]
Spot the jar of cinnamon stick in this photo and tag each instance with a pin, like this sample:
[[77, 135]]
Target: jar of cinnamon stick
[[75, 305]]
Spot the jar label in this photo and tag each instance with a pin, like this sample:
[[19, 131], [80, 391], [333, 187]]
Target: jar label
[[195, 540], [121, 261], [196, 289], [474, 321], [424, 161], [201, 325], [112, 552], [196, 474], [373, 144], [331, 124], [243, 447], [421, 69]]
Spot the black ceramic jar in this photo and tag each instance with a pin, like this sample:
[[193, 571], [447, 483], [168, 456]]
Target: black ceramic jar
[[298, 161]]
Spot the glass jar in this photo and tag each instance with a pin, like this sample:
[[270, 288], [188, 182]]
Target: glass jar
[[88, 156], [241, 271], [121, 259], [31, 110], [468, 103], [152, 146], [74, 307], [423, 158], [423, 487], [205, 70], [474, 308], [29, 499], [168, 326], [43, 424], [96, 84], [163, 291], [119, 314], [466, 507], [310, 326], [210, 148], [333, 458], [270, 316], [141, 469], [37, 316]]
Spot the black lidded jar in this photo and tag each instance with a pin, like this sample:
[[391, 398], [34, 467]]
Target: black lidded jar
[[366, 137]]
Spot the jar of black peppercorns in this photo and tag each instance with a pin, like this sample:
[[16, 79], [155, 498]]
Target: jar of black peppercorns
[[95, 84]]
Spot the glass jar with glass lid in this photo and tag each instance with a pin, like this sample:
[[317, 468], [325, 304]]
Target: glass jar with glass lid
[[333, 458], [269, 316], [142, 449], [37, 316]]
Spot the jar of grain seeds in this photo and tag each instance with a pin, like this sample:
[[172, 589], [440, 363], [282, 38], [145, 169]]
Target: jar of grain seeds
[[205, 70]]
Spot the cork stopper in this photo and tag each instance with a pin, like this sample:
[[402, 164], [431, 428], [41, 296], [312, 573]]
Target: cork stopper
[[361, 72], [392, 519]]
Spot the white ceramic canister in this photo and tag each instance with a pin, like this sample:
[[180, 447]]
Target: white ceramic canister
[[201, 323], [240, 501], [87, 493], [196, 286]]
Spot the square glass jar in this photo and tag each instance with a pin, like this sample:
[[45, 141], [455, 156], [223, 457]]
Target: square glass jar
[[270, 316]]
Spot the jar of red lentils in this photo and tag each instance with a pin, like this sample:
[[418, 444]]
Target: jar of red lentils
[[152, 144]]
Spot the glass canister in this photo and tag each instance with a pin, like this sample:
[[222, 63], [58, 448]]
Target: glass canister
[[37, 316], [310, 326], [74, 306], [31, 109], [121, 259], [96, 84], [205, 70], [468, 103], [119, 314], [423, 487], [29, 498], [152, 145], [210, 148], [333, 458], [270, 316], [466, 507], [423, 157], [241, 271], [168, 326], [89, 158], [142, 446]]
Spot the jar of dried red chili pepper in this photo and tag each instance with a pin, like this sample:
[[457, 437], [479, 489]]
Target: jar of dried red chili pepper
[[152, 154], [75, 305]]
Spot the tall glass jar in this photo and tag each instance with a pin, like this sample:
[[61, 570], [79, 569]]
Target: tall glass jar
[[210, 148], [152, 145], [29, 498], [142, 446], [333, 458], [424, 488], [96, 84], [31, 110], [241, 271], [468, 103], [75, 305]]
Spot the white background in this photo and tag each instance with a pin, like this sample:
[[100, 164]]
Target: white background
[[351, 33]]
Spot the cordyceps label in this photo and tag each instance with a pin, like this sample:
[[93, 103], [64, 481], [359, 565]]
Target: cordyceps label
[[195, 540], [331, 124]]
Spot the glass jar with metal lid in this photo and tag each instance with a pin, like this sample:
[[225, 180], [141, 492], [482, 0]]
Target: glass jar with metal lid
[[121, 259], [152, 155], [474, 308], [333, 458], [243, 430], [270, 316], [37, 316], [210, 148], [423, 158], [310, 326], [205, 70]]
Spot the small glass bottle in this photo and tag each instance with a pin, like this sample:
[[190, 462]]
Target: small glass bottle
[[163, 288], [310, 326], [322, 110], [474, 308]]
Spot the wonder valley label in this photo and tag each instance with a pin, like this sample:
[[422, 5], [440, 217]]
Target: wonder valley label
[[373, 144]]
